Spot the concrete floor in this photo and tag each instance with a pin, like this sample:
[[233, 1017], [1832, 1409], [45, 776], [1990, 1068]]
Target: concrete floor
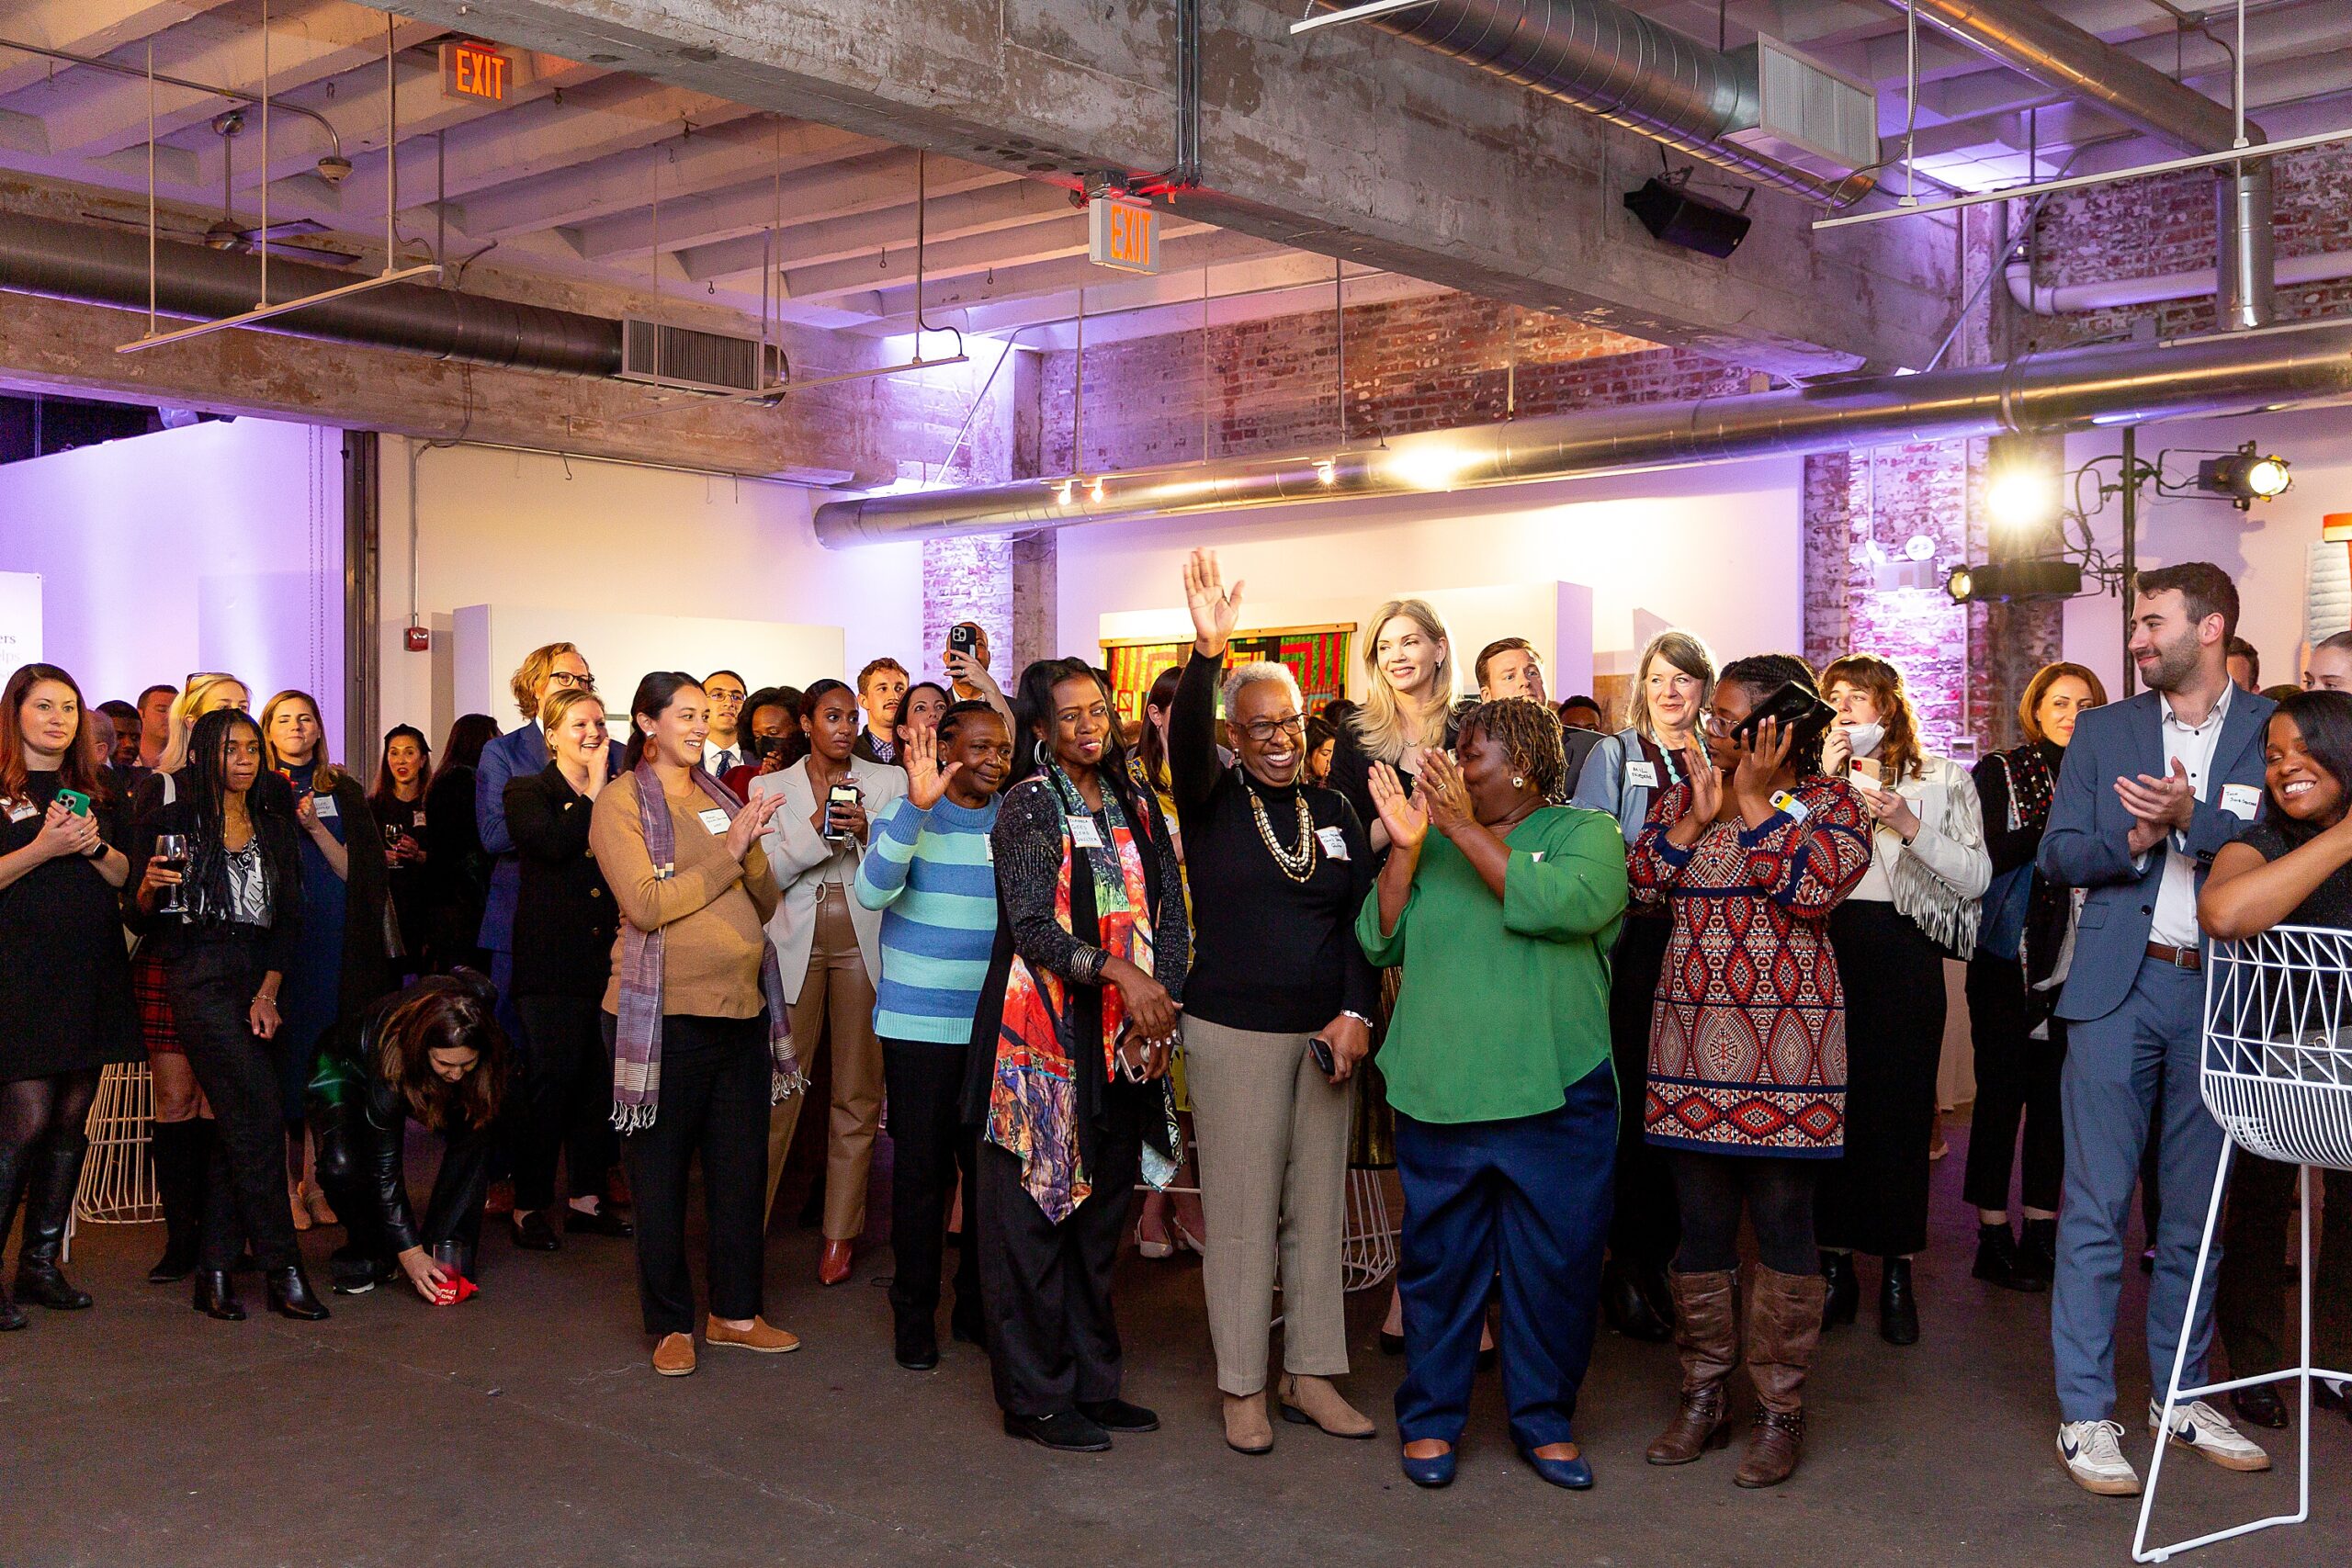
[[526, 1428]]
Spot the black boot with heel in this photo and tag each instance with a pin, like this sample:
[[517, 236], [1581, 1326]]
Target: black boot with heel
[[51, 1177], [179, 1150]]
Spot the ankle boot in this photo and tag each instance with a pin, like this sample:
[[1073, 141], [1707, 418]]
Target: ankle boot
[[1706, 1331], [1627, 1311], [216, 1295], [55, 1173], [289, 1295], [1999, 1261], [12, 1316], [2040, 1252], [1898, 1303], [1784, 1317], [1843, 1300], [178, 1150]]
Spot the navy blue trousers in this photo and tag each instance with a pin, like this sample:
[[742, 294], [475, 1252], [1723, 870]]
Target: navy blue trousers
[[1531, 1198]]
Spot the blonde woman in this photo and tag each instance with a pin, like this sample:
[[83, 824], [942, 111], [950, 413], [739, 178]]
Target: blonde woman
[[339, 966], [1673, 682], [1411, 685]]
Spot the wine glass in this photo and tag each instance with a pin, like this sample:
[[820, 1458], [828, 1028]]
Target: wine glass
[[173, 847]]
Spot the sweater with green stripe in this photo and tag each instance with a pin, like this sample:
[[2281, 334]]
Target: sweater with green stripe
[[932, 875]]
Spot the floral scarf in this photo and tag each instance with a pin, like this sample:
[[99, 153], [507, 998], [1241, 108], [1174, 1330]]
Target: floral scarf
[[1033, 1099]]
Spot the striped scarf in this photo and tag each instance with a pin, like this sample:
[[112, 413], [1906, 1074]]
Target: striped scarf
[[636, 1044]]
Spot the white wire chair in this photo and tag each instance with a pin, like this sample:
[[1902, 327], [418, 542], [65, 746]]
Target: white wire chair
[[118, 1186], [1368, 1243], [2278, 1076]]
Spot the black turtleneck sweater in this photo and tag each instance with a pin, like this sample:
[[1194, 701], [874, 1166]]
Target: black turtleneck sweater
[[1268, 954]]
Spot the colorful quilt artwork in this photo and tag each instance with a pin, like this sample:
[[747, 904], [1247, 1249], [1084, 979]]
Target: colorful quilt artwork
[[1318, 655]]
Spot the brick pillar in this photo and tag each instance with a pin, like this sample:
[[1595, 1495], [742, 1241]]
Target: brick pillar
[[968, 579], [1827, 527]]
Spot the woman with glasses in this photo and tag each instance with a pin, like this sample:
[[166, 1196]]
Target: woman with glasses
[[1278, 1012]]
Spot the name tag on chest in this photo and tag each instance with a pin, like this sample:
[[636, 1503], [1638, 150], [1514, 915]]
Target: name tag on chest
[[2240, 801], [21, 809], [324, 805], [714, 818], [1644, 774], [1334, 842], [1084, 833]]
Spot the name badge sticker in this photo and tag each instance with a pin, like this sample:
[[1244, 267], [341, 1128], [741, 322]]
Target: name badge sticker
[[1783, 801], [1334, 842], [714, 818], [21, 809], [2241, 801], [1084, 833], [1642, 773], [324, 805]]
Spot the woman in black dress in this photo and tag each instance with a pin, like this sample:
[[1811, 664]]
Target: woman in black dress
[[457, 867], [224, 961], [66, 1008], [402, 815]]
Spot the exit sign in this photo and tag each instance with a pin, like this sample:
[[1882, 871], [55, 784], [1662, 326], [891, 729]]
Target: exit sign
[[474, 70], [1123, 235]]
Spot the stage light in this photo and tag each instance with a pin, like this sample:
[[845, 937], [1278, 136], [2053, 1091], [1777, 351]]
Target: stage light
[[1960, 584], [2003, 582], [2021, 497], [2245, 476], [1430, 466], [1327, 471]]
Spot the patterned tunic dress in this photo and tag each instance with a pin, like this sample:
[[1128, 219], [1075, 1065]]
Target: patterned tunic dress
[[1747, 1033]]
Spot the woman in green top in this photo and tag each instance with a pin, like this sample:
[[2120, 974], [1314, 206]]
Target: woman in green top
[[1497, 1067]]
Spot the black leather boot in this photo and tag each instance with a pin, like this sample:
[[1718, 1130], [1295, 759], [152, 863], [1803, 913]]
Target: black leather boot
[[289, 1295], [12, 1316], [1898, 1304], [179, 1150], [1999, 1261], [1844, 1300], [216, 1295], [2039, 1251], [50, 1184], [1626, 1309]]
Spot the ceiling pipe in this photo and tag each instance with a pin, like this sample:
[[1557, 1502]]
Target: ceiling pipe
[[2123, 293], [2049, 394], [93, 265], [2049, 49], [1621, 66]]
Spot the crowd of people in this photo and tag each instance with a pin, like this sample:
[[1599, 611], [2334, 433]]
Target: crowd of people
[[1603, 998]]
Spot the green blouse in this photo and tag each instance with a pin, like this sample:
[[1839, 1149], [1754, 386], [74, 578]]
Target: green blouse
[[1505, 1001]]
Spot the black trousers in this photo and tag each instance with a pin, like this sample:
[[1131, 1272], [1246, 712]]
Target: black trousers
[[2016, 1081], [346, 1156], [1053, 1342], [1774, 1193], [715, 1075], [1876, 1199], [2250, 1305], [929, 1145], [566, 1104], [212, 974], [1645, 1229]]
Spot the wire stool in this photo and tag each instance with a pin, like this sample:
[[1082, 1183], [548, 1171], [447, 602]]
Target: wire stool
[[1368, 1242], [118, 1184], [2278, 1076]]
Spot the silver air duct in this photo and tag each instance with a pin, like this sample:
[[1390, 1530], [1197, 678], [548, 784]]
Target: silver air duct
[[1623, 67], [92, 266], [2048, 394]]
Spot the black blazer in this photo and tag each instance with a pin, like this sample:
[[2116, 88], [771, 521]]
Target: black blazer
[[564, 915]]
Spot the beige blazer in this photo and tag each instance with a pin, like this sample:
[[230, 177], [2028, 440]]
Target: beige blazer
[[802, 861]]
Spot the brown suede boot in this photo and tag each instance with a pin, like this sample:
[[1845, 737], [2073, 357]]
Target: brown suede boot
[[1784, 1328], [1706, 1331]]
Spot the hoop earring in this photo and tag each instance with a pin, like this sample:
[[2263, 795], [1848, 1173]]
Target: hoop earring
[[1041, 755]]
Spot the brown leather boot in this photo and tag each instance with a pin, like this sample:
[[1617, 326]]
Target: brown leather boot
[[1784, 1328], [1706, 1331]]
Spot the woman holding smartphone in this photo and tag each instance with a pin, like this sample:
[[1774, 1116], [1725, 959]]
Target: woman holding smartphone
[[397, 801], [65, 1009], [830, 945], [225, 960], [1916, 903], [1067, 1081]]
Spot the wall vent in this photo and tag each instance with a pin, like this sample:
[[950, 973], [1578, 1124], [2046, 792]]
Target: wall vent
[[1808, 116], [707, 362]]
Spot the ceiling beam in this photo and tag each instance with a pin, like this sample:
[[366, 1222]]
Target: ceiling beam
[[1000, 249], [874, 181], [943, 296], [1001, 206], [84, 26]]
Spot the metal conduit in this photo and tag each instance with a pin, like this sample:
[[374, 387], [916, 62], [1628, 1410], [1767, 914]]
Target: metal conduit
[[2038, 395], [93, 265]]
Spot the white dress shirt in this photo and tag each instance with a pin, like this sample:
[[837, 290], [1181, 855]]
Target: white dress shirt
[[2175, 924], [718, 758]]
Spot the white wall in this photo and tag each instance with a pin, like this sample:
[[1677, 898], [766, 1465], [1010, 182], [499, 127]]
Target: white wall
[[2266, 550], [1716, 549], [215, 547], [613, 540]]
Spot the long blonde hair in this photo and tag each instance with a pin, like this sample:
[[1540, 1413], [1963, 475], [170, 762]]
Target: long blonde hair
[[1684, 651], [186, 708], [1383, 725], [327, 775]]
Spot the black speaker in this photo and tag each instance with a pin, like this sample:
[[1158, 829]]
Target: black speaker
[[1680, 218]]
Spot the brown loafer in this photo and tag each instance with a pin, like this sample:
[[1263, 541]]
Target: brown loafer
[[833, 1263], [763, 1336], [675, 1357]]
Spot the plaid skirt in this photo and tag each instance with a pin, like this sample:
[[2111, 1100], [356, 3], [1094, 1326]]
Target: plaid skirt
[[147, 987]]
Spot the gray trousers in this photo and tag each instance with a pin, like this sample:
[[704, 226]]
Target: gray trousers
[[1273, 1143], [2138, 1063]]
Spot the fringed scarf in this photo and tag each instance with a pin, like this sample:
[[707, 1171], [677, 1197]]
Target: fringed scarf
[[1926, 900], [636, 1045], [1033, 1104]]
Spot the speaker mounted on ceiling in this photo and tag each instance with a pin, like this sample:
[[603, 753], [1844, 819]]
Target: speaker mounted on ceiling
[[1675, 215]]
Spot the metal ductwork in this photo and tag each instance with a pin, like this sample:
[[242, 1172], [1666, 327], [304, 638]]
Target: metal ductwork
[[2061, 56], [1623, 67], [92, 266], [2048, 394]]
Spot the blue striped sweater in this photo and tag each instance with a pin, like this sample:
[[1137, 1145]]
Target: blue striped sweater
[[932, 875]]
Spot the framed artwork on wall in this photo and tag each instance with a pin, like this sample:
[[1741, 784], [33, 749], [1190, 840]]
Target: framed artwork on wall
[[1318, 655]]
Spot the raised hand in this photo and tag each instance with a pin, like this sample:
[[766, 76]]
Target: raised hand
[[1447, 793], [925, 782], [1837, 751], [1403, 817], [1707, 793], [1760, 760], [1215, 608]]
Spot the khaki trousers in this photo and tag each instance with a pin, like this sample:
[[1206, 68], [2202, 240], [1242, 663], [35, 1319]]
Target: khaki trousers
[[835, 1011], [1274, 1141]]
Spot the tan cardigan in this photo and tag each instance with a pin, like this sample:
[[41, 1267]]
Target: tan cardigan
[[713, 909]]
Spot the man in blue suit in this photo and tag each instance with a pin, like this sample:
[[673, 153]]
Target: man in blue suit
[[516, 754], [2150, 789]]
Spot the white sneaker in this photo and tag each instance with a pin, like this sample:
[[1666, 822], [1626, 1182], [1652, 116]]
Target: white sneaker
[[2200, 1427], [2092, 1452]]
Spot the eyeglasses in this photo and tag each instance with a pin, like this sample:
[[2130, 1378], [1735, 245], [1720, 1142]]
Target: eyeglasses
[[569, 681], [1264, 729]]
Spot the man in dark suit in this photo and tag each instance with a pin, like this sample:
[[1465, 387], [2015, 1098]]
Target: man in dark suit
[[2150, 789]]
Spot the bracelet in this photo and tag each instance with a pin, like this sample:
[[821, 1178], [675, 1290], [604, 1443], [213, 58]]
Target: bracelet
[[265, 996], [1351, 1012]]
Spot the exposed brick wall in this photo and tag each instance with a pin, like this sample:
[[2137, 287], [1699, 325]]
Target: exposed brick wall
[[968, 580]]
